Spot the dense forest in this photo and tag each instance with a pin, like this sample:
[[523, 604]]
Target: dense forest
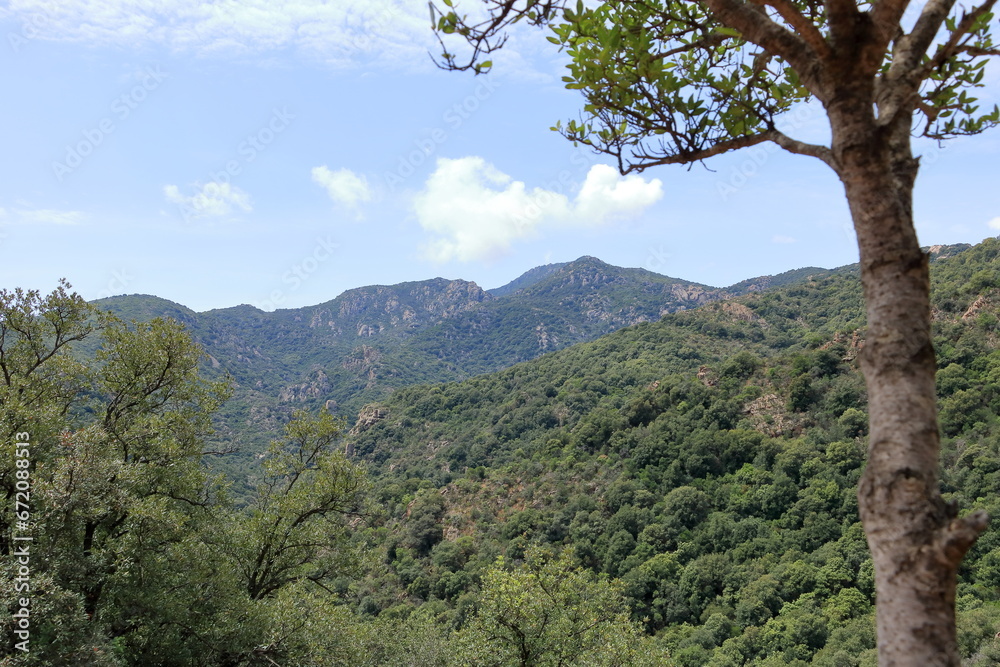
[[678, 492]]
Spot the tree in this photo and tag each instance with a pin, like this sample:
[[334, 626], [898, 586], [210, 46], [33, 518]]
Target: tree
[[137, 556], [298, 515], [547, 612], [114, 476], [677, 82]]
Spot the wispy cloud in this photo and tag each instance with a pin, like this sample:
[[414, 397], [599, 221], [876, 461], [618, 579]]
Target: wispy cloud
[[211, 200], [474, 211], [779, 238], [41, 216], [994, 223], [338, 32], [343, 186]]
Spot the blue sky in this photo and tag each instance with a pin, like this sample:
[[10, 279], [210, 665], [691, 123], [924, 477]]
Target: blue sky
[[279, 153]]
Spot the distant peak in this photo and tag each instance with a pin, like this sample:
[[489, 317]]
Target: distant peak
[[146, 300], [589, 259]]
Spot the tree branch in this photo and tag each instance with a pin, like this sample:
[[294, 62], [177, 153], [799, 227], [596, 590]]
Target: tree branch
[[784, 141], [911, 48], [805, 28], [898, 87], [802, 148], [841, 16], [485, 37], [885, 16], [951, 47], [758, 28], [958, 536]]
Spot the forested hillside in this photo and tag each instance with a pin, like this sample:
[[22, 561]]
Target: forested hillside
[[708, 461], [678, 492]]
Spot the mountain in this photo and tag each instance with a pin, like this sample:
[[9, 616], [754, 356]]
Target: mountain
[[370, 341], [705, 462], [708, 460], [786, 278], [527, 279]]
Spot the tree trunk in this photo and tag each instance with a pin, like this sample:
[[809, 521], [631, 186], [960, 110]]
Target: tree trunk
[[915, 539]]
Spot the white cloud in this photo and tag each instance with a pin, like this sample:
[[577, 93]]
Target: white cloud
[[778, 238], [212, 200], [605, 195], [344, 186], [41, 216], [394, 34], [994, 223], [339, 33], [476, 212]]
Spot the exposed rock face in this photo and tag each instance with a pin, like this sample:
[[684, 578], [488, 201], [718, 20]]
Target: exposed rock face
[[543, 337], [317, 386], [369, 415], [364, 361], [767, 415], [694, 295], [369, 311], [854, 344], [739, 312], [977, 307]]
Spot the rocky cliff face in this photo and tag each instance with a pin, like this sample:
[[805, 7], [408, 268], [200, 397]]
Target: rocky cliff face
[[369, 311], [317, 386]]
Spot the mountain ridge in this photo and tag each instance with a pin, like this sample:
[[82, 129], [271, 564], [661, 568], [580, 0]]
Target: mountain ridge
[[370, 341]]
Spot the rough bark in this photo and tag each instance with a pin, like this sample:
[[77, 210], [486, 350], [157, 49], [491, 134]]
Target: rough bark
[[915, 538]]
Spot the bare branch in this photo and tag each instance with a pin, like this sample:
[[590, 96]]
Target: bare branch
[[802, 148]]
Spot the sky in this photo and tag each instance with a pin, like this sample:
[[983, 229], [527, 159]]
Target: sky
[[278, 153]]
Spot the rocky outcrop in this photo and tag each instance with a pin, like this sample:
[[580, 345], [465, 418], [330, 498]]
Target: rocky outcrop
[[317, 387], [365, 362], [977, 306], [739, 312], [766, 413], [370, 415], [369, 311]]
